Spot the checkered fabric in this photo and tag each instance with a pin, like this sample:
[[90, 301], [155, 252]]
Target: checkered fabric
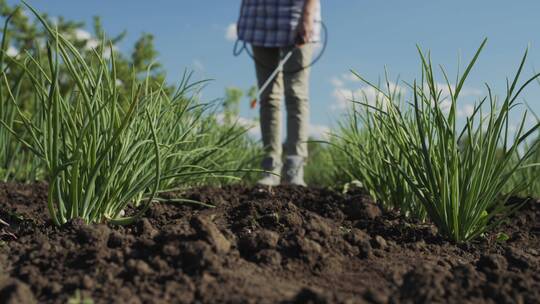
[[273, 23]]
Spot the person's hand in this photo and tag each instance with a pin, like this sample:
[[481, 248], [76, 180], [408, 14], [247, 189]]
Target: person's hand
[[305, 30]]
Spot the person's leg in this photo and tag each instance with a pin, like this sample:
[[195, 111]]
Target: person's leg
[[296, 80], [266, 61]]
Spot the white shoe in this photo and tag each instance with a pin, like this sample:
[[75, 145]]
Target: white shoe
[[294, 171], [269, 179], [272, 176]]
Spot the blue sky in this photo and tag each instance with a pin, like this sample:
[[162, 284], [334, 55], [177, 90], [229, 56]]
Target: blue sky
[[366, 36]]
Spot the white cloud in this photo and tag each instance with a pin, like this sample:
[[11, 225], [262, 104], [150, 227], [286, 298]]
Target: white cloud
[[230, 32], [12, 51], [319, 132], [342, 98], [85, 36], [465, 111], [343, 95], [251, 124], [347, 88], [350, 77], [91, 44], [471, 92], [445, 105], [107, 50], [337, 82], [81, 34], [465, 91], [53, 19], [197, 65]]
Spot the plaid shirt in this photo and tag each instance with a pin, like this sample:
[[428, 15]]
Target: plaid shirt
[[273, 23]]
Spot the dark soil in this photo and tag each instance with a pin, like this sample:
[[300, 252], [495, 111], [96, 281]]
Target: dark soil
[[288, 245]]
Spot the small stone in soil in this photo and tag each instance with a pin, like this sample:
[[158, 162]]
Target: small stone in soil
[[269, 257], [253, 242], [209, 231], [365, 250], [147, 229], [379, 242], [139, 266], [361, 208]]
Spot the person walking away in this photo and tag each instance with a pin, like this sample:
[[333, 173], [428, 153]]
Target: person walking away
[[274, 28]]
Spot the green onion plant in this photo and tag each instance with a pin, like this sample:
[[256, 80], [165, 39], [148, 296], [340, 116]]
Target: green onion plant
[[103, 150], [527, 178], [363, 139], [98, 155], [197, 150], [16, 162], [457, 173]]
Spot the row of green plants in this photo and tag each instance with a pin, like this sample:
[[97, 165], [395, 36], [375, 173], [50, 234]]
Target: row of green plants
[[104, 140], [412, 155], [101, 145]]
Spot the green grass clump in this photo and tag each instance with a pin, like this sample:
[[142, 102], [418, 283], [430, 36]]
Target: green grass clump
[[102, 149], [199, 151], [323, 163], [527, 178], [361, 136], [457, 174], [16, 162]]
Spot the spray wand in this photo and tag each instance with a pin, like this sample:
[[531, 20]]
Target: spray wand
[[240, 46], [279, 68]]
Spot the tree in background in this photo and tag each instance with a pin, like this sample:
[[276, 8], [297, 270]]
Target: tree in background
[[25, 37], [231, 102], [25, 34]]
